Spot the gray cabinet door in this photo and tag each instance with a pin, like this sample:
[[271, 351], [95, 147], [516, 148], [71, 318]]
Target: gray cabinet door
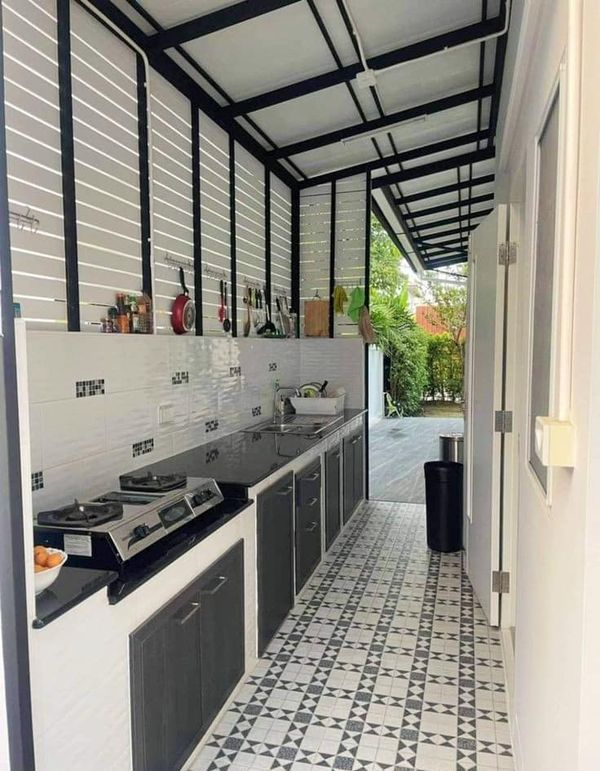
[[222, 639], [358, 457], [275, 558], [308, 522], [348, 478], [166, 685], [332, 496]]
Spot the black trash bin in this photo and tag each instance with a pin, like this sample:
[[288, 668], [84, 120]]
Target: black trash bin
[[444, 502]]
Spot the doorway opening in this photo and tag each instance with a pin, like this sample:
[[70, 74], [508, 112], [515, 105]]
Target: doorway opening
[[416, 370]]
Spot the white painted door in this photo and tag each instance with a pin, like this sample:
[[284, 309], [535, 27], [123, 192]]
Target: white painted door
[[484, 379]]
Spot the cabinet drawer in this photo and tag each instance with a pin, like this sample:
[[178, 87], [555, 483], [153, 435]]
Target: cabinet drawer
[[308, 484]]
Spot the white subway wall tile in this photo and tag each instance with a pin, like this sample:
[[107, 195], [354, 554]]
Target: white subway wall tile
[[82, 445]]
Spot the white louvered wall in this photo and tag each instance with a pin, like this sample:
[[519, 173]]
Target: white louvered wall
[[107, 182], [172, 217], [215, 216], [281, 238], [315, 234], [34, 160], [350, 230], [249, 226]]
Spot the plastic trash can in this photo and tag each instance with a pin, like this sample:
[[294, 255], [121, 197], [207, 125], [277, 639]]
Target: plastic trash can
[[444, 503], [451, 447]]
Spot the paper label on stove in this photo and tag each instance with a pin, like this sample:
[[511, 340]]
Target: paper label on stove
[[78, 545]]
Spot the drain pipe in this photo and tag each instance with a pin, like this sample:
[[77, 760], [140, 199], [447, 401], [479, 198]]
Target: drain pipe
[[119, 32]]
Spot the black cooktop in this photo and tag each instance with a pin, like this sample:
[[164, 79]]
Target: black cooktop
[[83, 515]]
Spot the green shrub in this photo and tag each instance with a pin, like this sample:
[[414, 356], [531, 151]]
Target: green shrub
[[445, 378], [408, 371]]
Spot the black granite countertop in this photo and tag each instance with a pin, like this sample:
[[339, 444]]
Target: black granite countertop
[[72, 586], [244, 459]]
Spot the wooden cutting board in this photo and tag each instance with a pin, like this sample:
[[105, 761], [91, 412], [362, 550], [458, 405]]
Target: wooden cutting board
[[316, 318]]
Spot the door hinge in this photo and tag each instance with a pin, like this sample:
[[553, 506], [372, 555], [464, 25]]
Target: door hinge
[[501, 581], [507, 253], [503, 421]]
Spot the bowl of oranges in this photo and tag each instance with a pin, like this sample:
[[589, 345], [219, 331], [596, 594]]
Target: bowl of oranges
[[47, 563]]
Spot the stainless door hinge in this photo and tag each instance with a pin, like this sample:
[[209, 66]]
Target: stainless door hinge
[[503, 421], [507, 253], [501, 581]]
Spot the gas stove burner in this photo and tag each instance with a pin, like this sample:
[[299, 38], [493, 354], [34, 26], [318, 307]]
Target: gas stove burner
[[79, 514], [152, 483]]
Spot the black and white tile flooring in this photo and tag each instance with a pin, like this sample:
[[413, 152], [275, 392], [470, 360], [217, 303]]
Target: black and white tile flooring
[[386, 662]]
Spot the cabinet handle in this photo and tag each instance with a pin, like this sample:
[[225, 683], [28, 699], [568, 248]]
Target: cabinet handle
[[195, 608], [285, 490], [221, 581], [336, 455], [355, 440], [313, 526], [312, 477], [312, 501]]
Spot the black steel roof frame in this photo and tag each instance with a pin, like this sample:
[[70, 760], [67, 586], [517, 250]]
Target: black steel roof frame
[[453, 205], [274, 158], [415, 51], [435, 167], [435, 192], [451, 220], [378, 124], [215, 21], [167, 67], [390, 160]]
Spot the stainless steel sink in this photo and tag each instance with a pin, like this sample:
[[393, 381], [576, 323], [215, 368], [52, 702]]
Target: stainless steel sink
[[301, 425]]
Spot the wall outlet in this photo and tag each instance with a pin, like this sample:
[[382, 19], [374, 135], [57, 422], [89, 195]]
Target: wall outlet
[[166, 414]]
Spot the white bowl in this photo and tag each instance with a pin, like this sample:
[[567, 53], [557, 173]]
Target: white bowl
[[46, 578]]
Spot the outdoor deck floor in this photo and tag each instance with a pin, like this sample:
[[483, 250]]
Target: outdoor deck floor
[[398, 448]]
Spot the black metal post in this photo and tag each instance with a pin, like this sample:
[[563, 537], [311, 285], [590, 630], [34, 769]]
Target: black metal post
[[332, 258], [232, 221], [142, 108], [197, 222], [67, 150]]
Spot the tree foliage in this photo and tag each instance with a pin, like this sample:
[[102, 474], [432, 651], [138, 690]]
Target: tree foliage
[[449, 303], [444, 369]]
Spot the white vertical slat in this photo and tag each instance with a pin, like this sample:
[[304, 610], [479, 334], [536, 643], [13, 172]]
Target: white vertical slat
[[281, 238], [315, 234], [249, 225], [350, 229], [215, 218], [172, 217], [33, 159], [107, 185]]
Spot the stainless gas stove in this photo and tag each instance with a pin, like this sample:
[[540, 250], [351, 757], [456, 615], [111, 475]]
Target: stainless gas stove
[[113, 528]]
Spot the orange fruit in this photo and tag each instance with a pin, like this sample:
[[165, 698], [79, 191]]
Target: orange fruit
[[53, 560], [40, 555], [39, 568]]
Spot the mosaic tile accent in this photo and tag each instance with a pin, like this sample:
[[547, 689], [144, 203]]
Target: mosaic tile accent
[[235, 371], [212, 455], [386, 662], [37, 481], [143, 447], [272, 366], [89, 388], [256, 411], [211, 425], [177, 378]]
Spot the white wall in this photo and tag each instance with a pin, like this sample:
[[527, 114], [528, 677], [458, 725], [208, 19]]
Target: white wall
[[376, 398], [557, 587], [82, 444]]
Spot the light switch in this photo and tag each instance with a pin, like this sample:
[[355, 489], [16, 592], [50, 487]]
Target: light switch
[[555, 441], [166, 414]]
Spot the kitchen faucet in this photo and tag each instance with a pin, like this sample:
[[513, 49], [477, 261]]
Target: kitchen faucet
[[282, 404]]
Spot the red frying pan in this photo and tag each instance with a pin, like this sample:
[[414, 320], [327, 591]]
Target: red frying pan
[[183, 310]]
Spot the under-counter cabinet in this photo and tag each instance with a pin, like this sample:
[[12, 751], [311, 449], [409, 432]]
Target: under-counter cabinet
[[185, 661], [275, 558], [308, 522], [353, 472], [332, 496]]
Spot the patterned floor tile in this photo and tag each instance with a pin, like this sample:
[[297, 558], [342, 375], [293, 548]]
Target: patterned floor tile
[[386, 662]]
